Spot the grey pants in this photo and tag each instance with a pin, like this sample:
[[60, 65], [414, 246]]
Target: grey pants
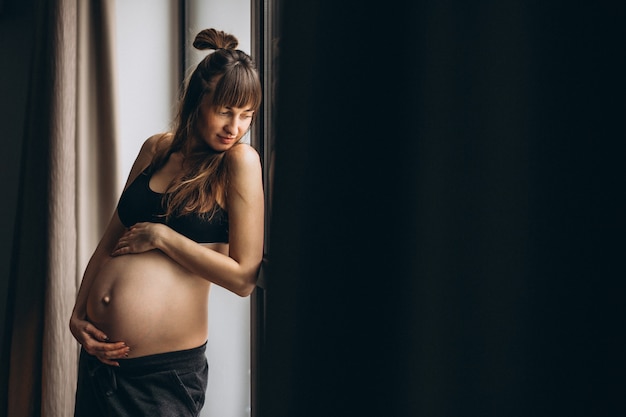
[[169, 384]]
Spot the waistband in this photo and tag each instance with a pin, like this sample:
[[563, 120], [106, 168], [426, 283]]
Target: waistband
[[180, 360]]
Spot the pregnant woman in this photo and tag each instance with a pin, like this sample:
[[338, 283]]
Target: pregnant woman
[[191, 214]]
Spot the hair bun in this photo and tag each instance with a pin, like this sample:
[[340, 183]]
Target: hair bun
[[215, 39]]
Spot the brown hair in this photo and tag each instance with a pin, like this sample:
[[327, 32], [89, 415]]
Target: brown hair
[[230, 77]]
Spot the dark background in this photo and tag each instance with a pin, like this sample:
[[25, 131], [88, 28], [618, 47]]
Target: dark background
[[447, 216], [447, 222]]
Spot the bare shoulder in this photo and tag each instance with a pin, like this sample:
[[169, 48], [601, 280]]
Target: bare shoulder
[[156, 142], [243, 156], [151, 146], [245, 181], [146, 153]]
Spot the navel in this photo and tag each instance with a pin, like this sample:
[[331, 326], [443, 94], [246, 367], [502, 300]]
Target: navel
[[106, 300]]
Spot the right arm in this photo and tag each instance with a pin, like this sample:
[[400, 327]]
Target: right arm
[[93, 340]]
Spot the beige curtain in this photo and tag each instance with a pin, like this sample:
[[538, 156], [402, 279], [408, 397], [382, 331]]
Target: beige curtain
[[67, 192]]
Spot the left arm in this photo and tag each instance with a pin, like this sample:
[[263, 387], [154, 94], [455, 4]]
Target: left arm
[[236, 272]]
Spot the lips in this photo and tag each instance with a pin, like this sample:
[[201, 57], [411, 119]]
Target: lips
[[226, 140]]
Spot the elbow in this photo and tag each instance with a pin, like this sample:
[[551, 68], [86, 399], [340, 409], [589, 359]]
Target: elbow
[[244, 289], [246, 285]]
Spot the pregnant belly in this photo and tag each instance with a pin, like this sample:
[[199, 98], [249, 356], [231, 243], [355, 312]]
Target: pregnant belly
[[149, 302]]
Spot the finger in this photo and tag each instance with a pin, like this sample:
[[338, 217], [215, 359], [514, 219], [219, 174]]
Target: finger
[[96, 333], [118, 353], [109, 356], [110, 346], [120, 251], [123, 246], [102, 350]]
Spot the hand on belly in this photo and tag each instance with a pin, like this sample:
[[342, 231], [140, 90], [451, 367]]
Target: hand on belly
[[150, 303]]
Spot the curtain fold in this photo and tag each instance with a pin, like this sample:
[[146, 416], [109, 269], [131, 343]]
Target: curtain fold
[[30, 257], [68, 151], [96, 125], [59, 365]]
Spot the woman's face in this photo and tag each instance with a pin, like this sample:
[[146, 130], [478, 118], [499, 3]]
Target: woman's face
[[222, 127]]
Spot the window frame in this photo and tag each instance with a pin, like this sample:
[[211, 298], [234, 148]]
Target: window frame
[[264, 32], [265, 22]]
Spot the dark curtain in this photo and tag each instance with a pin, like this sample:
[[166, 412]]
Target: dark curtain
[[446, 214], [25, 296], [66, 133], [17, 46]]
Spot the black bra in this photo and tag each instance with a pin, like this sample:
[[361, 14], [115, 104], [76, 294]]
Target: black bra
[[139, 203]]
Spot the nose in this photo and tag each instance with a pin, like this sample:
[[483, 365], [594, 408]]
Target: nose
[[232, 127]]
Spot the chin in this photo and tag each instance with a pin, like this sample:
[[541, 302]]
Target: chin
[[224, 146]]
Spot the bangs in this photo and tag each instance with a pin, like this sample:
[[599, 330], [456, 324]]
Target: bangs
[[239, 87]]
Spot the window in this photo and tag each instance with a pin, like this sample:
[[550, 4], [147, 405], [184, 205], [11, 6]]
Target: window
[[157, 34], [265, 22]]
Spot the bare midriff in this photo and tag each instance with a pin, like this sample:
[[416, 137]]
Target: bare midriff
[[150, 302]]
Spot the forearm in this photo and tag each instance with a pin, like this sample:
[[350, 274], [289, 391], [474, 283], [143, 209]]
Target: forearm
[[236, 275]]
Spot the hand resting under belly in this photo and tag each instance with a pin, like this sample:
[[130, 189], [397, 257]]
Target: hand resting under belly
[[149, 302]]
